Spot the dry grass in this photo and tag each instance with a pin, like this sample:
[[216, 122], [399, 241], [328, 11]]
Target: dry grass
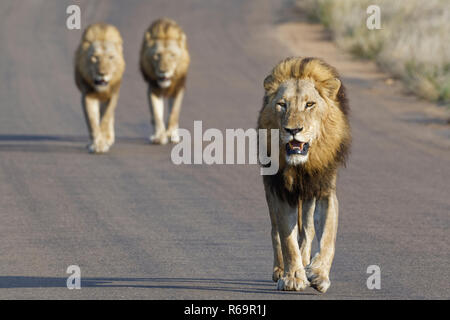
[[413, 44]]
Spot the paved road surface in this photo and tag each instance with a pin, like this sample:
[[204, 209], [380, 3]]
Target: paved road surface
[[142, 228]]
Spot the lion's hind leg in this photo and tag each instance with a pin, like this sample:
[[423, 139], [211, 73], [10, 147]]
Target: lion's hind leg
[[278, 268]]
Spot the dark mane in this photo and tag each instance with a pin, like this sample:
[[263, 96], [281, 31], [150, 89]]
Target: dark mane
[[295, 183]]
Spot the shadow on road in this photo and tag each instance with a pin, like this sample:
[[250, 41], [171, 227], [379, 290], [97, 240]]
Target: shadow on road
[[54, 143], [206, 284], [41, 143], [33, 138]]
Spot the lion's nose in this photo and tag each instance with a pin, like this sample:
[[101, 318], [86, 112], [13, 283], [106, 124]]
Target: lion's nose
[[293, 131]]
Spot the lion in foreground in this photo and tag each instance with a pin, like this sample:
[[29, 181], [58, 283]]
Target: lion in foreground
[[164, 62], [99, 67], [305, 100]]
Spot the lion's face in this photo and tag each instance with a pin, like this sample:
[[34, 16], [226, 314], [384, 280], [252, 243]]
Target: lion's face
[[164, 55], [299, 109], [104, 62]]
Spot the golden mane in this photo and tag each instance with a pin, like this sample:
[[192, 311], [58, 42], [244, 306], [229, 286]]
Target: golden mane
[[314, 69], [165, 29], [317, 176], [102, 32]]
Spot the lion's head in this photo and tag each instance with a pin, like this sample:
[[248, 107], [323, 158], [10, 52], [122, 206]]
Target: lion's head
[[164, 53], [305, 100], [99, 58]]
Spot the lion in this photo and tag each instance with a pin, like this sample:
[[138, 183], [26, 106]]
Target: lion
[[99, 67], [305, 100], [164, 62]]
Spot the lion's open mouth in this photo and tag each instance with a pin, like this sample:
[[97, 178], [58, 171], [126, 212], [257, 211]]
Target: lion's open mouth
[[100, 82], [297, 147], [163, 79]]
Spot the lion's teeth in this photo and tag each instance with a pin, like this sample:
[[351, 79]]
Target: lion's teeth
[[296, 145]]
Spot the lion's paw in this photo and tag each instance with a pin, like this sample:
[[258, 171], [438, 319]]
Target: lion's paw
[[318, 278], [277, 273], [160, 138], [319, 282], [174, 137], [296, 281], [99, 146], [109, 142]]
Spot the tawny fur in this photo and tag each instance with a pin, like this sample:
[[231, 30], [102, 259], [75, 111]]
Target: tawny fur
[[100, 57], [302, 197], [164, 51]]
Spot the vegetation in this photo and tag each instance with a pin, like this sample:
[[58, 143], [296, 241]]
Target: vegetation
[[413, 43]]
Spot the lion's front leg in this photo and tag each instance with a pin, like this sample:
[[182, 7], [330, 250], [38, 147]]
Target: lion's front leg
[[325, 222], [157, 112], [278, 268], [306, 226], [175, 108], [91, 108], [294, 277], [107, 120]]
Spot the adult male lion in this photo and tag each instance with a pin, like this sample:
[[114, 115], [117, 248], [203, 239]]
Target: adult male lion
[[99, 66], [164, 64], [305, 100]]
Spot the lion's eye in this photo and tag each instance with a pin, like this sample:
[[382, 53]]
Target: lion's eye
[[111, 57], [94, 59], [309, 104], [282, 104]]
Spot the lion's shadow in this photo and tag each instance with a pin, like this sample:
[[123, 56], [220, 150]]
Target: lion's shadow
[[201, 284], [54, 143]]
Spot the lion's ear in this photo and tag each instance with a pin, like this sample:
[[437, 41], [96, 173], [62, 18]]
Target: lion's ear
[[85, 45], [182, 38], [331, 86], [148, 38], [268, 81]]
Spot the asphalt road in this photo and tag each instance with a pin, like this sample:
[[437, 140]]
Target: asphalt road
[[141, 227]]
